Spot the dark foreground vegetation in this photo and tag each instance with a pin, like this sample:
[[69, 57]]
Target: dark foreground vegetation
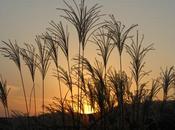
[[119, 101], [157, 119]]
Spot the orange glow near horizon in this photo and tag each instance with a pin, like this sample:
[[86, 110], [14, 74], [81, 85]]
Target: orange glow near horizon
[[87, 108]]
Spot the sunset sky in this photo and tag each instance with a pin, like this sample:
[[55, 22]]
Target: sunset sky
[[21, 20]]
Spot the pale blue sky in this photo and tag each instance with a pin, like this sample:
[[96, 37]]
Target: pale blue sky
[[23, 19]]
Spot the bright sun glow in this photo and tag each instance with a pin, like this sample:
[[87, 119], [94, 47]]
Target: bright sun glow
[[88, 109]]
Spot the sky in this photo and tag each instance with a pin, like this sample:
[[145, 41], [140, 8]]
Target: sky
[[21, 20]]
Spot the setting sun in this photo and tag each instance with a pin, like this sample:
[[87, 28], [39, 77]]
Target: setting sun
[[87, 108]]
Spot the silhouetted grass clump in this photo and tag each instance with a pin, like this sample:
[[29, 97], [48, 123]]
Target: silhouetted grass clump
[[118, 99]]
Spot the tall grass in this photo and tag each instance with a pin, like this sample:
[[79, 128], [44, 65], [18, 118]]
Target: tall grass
[[97, 89], [85, 20], [119, 101], [43, 58], [58, 38], [137, 53], [119, 82], [61, 39], [149, 99], [29, 58], [102, 38], [119, 34], [12, 51], [4, 91], [167, 82]]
